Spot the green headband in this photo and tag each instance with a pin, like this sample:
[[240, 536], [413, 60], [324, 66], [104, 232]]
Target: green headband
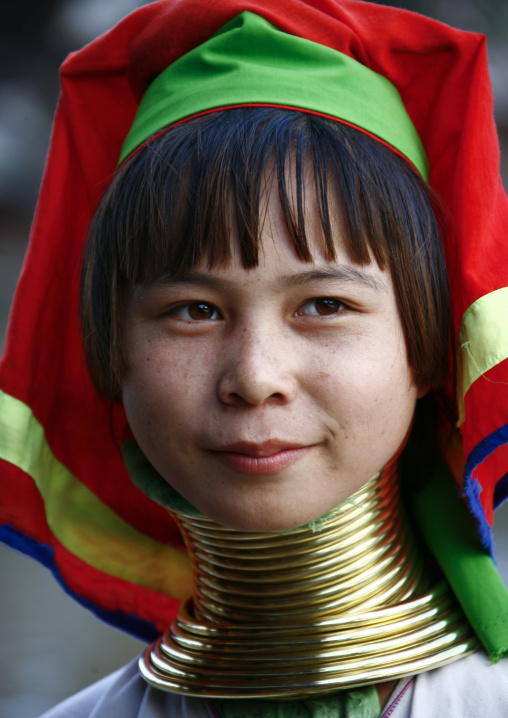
[[250, 62]]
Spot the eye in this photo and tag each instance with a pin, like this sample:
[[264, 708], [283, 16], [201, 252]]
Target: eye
[[196, 311], [321, 307]]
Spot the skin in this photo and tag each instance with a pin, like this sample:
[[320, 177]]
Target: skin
[[267, 396]]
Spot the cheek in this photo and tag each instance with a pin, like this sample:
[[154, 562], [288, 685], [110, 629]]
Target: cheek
[[163, 388], [369, 387]]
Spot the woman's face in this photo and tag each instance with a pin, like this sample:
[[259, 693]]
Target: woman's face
[[267, 396]]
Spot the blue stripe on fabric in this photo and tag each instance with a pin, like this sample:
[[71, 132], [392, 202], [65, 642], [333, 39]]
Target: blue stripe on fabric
[[44, 554], [501, 491], [473, 489]]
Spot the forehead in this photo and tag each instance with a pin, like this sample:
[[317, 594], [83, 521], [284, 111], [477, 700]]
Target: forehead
[[279, 266], [291, 229], [279, 254]]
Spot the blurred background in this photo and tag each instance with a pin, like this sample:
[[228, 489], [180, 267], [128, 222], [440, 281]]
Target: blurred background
[[50, 646]]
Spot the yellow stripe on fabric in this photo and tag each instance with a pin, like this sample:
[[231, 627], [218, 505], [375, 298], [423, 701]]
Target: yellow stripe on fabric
[[482, 341], [79, 520]]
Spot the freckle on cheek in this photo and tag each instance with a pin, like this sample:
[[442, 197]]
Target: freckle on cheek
[[323, 376]]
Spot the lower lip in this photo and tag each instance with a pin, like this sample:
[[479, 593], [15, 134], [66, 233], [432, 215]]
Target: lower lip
[[262, 465]]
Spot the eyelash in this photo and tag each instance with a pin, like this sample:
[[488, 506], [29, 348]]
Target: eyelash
[[327, 303], [178, 311]]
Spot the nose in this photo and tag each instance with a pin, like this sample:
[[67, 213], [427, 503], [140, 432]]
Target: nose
[[258, 370]]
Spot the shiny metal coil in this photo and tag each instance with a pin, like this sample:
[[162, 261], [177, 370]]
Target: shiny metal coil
[[345, 602]]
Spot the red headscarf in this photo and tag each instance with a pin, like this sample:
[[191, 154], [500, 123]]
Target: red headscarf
[[66, 496]]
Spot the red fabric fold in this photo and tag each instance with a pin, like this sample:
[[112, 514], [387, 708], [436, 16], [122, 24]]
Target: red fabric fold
[[442, 76]]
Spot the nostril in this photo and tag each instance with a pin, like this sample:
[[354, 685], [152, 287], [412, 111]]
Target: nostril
[[234, 399], [252, 398]]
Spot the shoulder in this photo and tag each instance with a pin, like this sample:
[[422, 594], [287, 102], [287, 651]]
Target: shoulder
[[469, 688], [124, 694]]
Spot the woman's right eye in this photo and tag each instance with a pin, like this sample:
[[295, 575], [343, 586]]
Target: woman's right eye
[[196, 311]]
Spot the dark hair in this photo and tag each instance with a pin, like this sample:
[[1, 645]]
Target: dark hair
[[176, 201]]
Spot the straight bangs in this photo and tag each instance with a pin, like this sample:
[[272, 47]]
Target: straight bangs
[[183, 196]]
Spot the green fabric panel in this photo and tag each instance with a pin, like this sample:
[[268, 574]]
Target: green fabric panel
[[450, 534], [150, 482], [356, 703], [249, 61]]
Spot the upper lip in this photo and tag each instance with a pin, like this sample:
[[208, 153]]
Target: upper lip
[[263, 448]]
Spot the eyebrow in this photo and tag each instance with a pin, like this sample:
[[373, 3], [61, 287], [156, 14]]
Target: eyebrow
[[342, 273], [318, 274]]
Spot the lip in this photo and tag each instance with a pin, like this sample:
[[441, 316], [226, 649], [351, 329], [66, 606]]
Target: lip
[[262, 459]]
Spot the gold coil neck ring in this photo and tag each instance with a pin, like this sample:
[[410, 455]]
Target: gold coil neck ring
[[345, 603]]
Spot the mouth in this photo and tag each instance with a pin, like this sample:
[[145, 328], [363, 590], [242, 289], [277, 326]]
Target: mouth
[[263, 459]]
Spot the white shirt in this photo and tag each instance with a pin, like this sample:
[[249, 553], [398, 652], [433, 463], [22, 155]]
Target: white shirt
[[468, 688]]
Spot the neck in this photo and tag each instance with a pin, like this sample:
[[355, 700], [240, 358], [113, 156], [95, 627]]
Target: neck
[[344, 602]]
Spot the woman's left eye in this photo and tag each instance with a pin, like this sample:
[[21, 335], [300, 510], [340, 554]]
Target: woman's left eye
[[320, 307], [196, 311]]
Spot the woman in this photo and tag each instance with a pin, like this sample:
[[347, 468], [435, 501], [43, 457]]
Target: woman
[[218, 300]]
